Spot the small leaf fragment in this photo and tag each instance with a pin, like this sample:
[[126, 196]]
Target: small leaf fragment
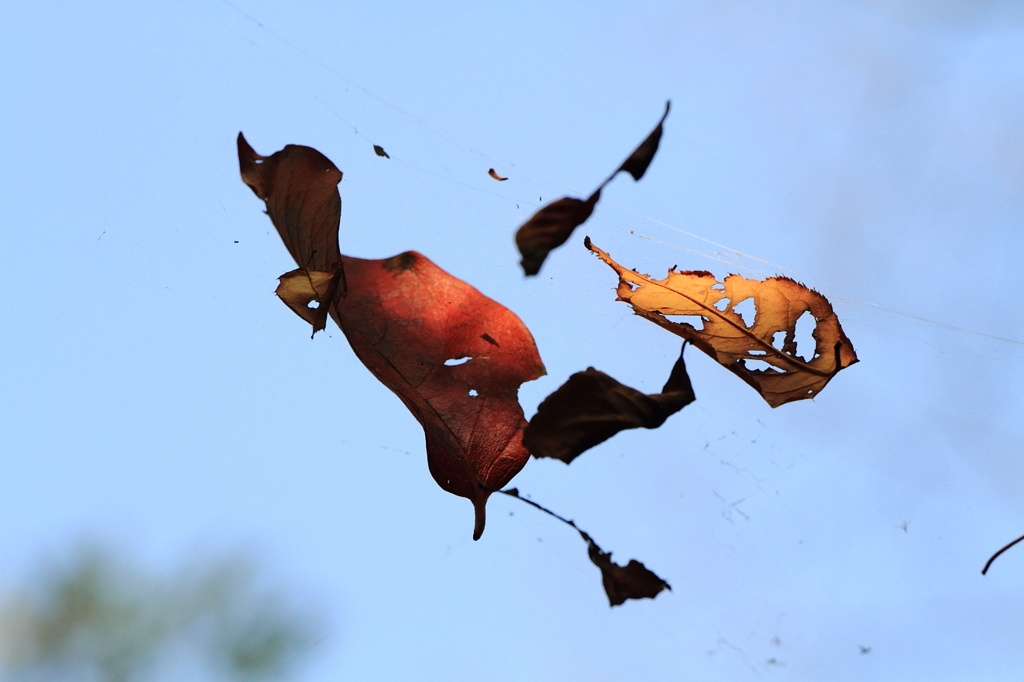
[[380, 151], [637, 163], [591, 407], [550, 227], [632, 581], [494, 175], [724, 335], [299, 288]]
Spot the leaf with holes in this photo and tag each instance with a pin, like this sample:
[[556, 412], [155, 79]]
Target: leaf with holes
[[454, 357], [552, 225], [591, 407], [724, 334]]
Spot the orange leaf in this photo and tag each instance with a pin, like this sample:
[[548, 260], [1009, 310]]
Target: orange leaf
[[726, 337]]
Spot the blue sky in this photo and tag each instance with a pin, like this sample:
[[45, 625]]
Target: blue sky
[[156, 395]]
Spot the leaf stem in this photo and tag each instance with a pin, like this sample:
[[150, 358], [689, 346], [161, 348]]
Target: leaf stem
[[983, 571]]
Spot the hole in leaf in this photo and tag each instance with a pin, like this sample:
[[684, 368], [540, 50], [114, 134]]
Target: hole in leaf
[[747, 310], [451, 362], [758, 366], [757, 352], [778, 338], [722, 304], [473, 393], [805, 344], [259, 161], [696, 321], [313, 304]]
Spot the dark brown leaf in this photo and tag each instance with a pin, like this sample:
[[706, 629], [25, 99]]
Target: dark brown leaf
[[632, 581], [300, 188], [380, 151], [494, 175], [637, 163], [553, 224], [591, 407], [550, 227]]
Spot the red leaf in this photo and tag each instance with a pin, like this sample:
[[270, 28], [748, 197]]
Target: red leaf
[[410, 322], [453, 356]]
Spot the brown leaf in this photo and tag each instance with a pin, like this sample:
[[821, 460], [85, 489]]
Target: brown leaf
[[549, 227], [494, 175], [300, 188], [379, 151], [409, 321], [591, 407], [632, 581], [725, 335], [552, 225]]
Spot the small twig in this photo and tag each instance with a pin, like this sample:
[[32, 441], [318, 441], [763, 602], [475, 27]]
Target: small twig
[[514, 492], [984, 570]]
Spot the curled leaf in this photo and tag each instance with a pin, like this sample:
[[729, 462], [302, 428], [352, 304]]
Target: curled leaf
[[300, 188], [552, 225], [494, 175], [301, 289], [724, 334], [591, 407], [380, 151]]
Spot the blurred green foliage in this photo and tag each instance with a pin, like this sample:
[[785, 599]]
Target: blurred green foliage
[[99, 619]]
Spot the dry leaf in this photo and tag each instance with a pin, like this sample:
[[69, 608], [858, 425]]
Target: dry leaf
[[380, 151], [726, 336], [300, 188], [591, 407], [493, 174], [549, 227], [454, 357], [637, 163], [553, 224], [632, 581]]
